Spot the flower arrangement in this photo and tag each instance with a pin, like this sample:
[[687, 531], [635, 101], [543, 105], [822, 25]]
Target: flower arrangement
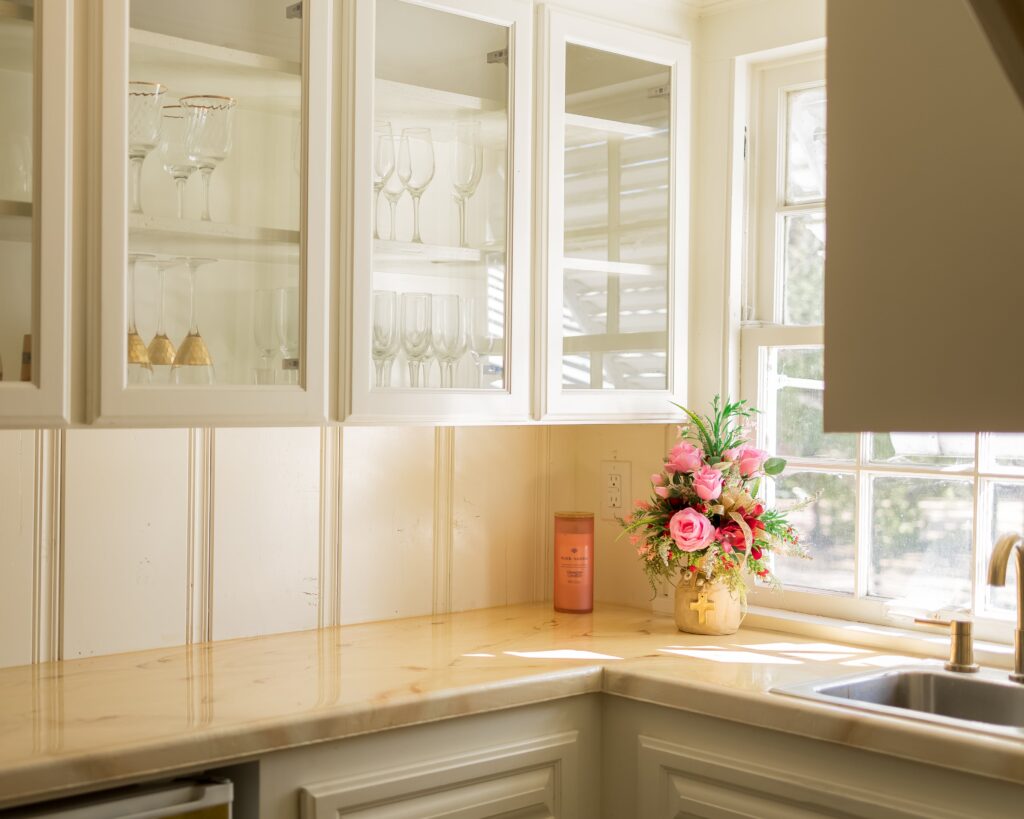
[[704, 521]]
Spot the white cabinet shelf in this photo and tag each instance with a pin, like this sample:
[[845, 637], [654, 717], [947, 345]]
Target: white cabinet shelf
[[15, 221], [581, 129], [194, 237]]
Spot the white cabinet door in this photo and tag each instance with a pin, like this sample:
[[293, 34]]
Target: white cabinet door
[[439, 265], [35, 178], [613, 198], [212, 210]]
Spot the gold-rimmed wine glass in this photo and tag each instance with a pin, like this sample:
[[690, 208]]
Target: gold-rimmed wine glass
[[140, 371], [208, 135], [174, 156], [144, 100], [161, 349], [193, 364]]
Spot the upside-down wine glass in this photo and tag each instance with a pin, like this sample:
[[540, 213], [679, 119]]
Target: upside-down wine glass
[[448, 334], [386, 337], [161, 349], [467, 168], [264, 330], [383, 168], [208, 136], [193, 364], [286, 323], [140, 371], [479, 337], [176, 160], [416, 333], [144, 100], [416, 169]]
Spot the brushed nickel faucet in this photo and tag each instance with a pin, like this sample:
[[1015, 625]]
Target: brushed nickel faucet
[[1007, 544]]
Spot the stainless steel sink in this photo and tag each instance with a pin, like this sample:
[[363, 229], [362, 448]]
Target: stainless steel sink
[[986, 702]]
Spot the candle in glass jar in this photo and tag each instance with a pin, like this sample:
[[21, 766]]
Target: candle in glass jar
[[574, 561]]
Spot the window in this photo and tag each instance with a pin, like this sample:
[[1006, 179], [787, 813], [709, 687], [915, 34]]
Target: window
[[904, 522]]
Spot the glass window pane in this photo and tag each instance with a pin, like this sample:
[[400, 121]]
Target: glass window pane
[[921, 541], [940, 449], [16, 161], [804, 271], [796, 377], [616, 232], [1006, 450], [805, 146], [826, 527], [1006, 500]]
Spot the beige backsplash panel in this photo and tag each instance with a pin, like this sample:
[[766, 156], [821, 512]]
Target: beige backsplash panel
[[17, 471]]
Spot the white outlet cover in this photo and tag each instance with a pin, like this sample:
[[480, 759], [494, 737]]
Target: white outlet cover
[[616, 488]]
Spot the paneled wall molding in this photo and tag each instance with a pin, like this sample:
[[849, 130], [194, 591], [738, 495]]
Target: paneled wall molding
[[444, 489], [199, 536], [48, 547], [331, 499]]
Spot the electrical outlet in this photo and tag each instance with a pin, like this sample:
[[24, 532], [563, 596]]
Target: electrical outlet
[[615, 489]]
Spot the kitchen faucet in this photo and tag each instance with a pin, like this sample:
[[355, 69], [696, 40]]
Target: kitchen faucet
[[1006, 544]]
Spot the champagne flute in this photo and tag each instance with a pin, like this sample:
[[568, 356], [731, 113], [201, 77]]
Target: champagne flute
[[416, 332], [383, 167], [286, 325], [208, 136], [265, 332], [467, 168], [386, 338], [140, 371], [416, 169], [176, 160], [448, 334], [479, 337], [193, 364], [161, 349], [144, 100]]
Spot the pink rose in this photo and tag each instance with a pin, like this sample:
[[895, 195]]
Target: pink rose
[[684, 457], [661, 491], [690, 530], [656, 479], [707, 483], [751, 460], [730, 454]]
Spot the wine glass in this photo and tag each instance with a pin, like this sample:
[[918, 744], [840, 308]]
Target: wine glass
[[448, 334], [479, 337], [393, 191], [140, 371], [416, 332], [467, 168], [386, 338], [208, 136], [383, 167], [143, 132], [264, 331], [286, 327], [416, 169], [161, 349], [176, 160], [193, 364]]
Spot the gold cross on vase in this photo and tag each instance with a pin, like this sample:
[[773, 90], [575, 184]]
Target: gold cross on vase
[[702, 607]]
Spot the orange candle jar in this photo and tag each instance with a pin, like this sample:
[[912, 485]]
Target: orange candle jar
[[574, 562]]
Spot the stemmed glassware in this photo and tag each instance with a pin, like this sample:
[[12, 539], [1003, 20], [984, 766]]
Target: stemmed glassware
[[176, 160], [448, 334], [161, 349], [386, 337], [144, 100], [140, 371], [193, 364], [264, 329], [415, 319], [208, 136], [416, 169], [383, 168], [286, 327], [479, 337], [467, 168]]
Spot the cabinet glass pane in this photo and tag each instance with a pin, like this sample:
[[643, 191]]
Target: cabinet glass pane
[[616, 240], [214, 153], [17, 307], [440, 200]]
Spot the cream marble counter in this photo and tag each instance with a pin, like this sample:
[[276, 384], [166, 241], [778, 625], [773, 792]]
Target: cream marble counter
[[84, 722]]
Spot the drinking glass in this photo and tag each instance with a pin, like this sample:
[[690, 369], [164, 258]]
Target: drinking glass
[[161, 349], [176, 160], [386, 338], [448, 334], [467, 168], [416, 332], [144, 100], [264, 332], [208, 136], [286, 327], [393, 191], [193, 364], [479, 337], [140, 371], [416, 169], [383, 167]]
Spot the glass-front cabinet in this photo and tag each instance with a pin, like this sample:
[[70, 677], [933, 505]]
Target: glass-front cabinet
[[213, 210], [614, 198], [440, 268], [35, 96]]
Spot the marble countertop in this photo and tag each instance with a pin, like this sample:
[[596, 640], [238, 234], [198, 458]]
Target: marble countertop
[[74, 724]]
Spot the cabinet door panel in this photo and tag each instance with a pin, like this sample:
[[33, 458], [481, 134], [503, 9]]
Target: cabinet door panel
[[614, 232]]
